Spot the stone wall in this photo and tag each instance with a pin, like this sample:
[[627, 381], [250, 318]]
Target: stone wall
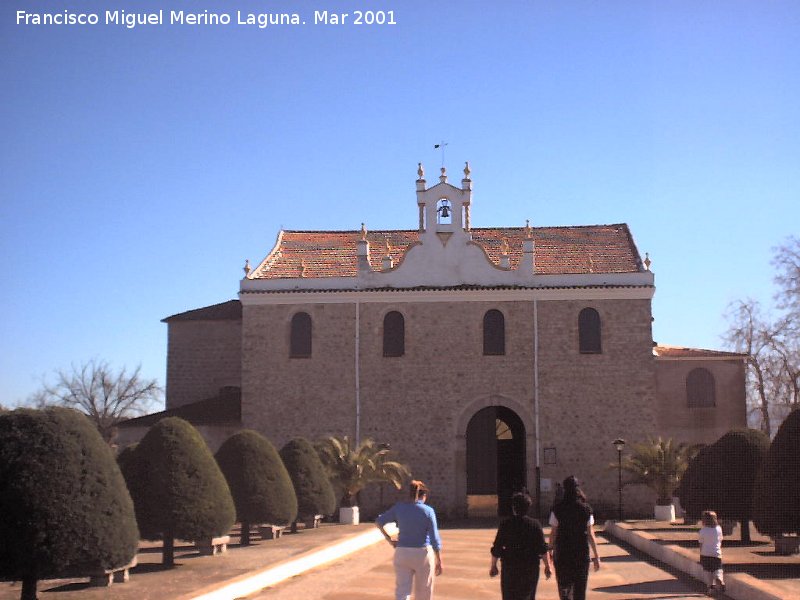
[[700, 425], [420, 403], [202, 357]]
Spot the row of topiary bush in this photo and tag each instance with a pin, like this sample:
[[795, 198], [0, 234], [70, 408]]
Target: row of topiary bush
[[180, 491], [744, 477], [67, 511]]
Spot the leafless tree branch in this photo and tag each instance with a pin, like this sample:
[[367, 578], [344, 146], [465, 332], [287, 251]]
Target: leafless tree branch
[[106, 396]]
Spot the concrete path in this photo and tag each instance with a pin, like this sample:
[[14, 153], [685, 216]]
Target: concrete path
[[368, 575]]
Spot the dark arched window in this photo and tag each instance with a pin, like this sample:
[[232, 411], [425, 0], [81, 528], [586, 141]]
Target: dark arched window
[[394, 334], [700, 389], [494, 333], [300, 336], [589, 331]]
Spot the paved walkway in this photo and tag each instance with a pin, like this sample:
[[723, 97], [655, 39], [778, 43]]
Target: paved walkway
[[150, 581], [753, 570], [368, 575]]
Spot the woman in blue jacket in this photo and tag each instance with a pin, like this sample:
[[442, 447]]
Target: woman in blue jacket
[[418, 548]]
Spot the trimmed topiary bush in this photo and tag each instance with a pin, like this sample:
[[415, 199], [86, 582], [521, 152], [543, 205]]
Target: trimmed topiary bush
[[722, 477], [691, 491], [126, 456], [776, 498], [315, 495], [177, 488], [261, 487], [64, 507]]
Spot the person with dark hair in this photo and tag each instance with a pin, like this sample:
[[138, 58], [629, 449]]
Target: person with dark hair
[[571, 535], [519, 544], [418, 547]]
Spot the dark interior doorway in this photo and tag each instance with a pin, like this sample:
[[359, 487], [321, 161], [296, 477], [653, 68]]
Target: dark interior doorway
[[496, 455]]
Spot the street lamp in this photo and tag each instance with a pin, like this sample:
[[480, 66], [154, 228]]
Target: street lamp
[[619, 444], [384, 447]]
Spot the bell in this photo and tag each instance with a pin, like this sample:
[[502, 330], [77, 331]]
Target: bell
[[445, 210]]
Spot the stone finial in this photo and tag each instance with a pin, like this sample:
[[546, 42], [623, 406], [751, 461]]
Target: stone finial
[[363, 233], [420, 171], [443, 176], [302, 268], [466, 170], [247, 267], [528, 230], [647, 261], [388, 247], [504, 246]]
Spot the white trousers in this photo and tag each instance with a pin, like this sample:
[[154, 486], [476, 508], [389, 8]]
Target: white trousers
[[413, 567]]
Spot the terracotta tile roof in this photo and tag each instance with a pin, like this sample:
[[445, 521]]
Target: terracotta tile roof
[[223, 408], [225, 311], [663, 351], [559, 250]]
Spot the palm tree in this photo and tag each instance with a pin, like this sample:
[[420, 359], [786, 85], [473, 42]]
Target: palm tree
[[352, 468], [659, 464]]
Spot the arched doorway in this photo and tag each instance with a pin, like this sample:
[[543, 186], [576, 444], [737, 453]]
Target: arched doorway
[[495, 460]]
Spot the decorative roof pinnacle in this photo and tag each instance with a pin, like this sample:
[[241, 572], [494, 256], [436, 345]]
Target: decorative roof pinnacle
[[528, 230], [388, 247], [363, 233], [647, 261], [466, 170], [247, 267], [302, 267], [504, 246], [443, 176], [420, 171]]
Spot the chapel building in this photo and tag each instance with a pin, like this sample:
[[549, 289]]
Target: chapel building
[[489, 358]]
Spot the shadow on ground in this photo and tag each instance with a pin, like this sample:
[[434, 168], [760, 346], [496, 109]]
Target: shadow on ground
[[661, 587]]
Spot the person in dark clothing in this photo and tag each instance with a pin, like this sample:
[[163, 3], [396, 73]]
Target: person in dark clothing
[[571, 535], [519, 544]]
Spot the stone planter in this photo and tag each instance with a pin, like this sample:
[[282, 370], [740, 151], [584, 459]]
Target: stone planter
[[270, 532], [665, 512], [786, 545], [213, 546], [106, 577], [314, 522], [348, 515]]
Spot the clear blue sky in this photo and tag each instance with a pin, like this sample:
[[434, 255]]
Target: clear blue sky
[[141, 167]]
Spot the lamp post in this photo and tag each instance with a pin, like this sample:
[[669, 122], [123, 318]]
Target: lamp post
[[384, 447], [619, 444]]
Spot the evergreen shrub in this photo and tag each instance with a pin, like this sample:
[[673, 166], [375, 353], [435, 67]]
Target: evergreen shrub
[[261, 488], [722, 475], [776, 501], [64, 507], [177, 488], [315, 495]]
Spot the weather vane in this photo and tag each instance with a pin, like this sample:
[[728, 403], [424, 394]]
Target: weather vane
[[441, 145]]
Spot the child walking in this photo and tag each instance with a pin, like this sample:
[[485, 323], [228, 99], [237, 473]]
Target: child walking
[[710, 537]]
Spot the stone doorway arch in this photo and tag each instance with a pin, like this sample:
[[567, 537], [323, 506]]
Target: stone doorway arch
[[526, 450]]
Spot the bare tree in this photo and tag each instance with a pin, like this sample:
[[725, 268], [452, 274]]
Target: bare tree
[[771, 341], [787, 263], [748, 333], [106, 396]]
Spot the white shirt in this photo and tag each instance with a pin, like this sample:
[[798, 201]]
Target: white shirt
[[710, 541]]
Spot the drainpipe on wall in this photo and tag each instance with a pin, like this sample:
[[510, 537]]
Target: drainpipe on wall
[[536, 403], [358, 374]]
